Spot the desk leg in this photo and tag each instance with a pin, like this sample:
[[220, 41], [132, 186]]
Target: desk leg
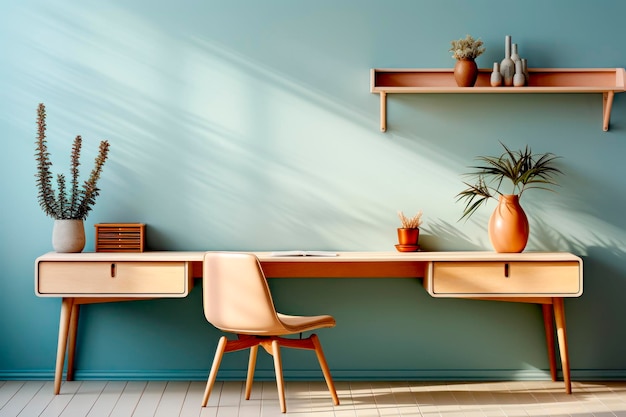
[[548, 324], [64, 324], [72, 341], [559, 316]]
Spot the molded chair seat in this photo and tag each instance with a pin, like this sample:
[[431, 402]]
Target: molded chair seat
[[236, 299]]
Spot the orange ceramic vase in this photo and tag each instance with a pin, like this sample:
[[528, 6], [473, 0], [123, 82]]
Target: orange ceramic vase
[[508, 226], [465, 72]]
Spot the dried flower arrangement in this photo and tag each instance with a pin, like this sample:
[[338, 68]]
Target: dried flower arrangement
[[467, 48], [75, 203], [522, 168], [410, 222]]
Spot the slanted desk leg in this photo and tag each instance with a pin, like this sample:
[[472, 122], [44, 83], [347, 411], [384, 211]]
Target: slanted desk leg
[[71, 354], [548, 324], [64, 325], [561, 333]]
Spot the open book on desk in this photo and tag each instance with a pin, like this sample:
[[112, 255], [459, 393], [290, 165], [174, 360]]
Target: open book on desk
[[304, 253]]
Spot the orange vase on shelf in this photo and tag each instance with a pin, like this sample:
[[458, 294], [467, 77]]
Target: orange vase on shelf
[[508, 226], [465, 72]]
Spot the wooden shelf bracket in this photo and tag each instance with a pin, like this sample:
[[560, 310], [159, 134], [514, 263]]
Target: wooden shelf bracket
[[607, 104], [383, 111]]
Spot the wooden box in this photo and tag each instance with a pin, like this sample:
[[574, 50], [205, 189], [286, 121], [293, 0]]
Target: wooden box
[[120, 237]]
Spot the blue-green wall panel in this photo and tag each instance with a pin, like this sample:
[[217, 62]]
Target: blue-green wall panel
[[247, 125]]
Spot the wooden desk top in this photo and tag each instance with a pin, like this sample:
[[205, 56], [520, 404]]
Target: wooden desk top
[[266, 257]]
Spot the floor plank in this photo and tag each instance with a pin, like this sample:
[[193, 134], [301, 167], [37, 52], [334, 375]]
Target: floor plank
[[8, 390], [39, 401], [59, 402], [150, 398], [84, 400], [107, 400], [21, 398], [172, 399], [129, 399], [193, 399]]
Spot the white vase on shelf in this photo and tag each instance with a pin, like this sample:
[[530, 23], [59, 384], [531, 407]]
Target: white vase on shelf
[[514, 54], [519, 80], [507, 66], [496, 77]]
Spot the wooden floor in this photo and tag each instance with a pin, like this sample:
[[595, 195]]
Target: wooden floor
[[358, 399]]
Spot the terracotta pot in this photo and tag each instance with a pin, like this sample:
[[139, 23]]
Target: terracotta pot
[[408, 236], [465, 72], [508, 226]]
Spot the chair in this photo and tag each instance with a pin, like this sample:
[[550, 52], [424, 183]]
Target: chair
[[237, 299]]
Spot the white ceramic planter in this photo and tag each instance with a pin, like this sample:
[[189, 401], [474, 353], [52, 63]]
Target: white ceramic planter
[[68, 236]]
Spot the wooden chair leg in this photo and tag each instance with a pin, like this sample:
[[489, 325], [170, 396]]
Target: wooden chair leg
[[324, 365], [278, 369], [251, 366], [219, 353]]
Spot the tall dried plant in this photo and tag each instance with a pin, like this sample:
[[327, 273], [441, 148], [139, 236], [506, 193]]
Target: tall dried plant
[[77, 202]]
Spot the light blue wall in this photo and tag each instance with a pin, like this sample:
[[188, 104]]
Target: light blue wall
[[249, 125]]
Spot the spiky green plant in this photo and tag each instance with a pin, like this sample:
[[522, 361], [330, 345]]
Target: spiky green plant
[[522, 168], [77, 202]]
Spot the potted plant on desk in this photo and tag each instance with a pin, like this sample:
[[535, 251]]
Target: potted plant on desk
[[508, 226], [68, 207], [408, 234]]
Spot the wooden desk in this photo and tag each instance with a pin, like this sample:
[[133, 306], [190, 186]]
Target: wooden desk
[[538, 278]]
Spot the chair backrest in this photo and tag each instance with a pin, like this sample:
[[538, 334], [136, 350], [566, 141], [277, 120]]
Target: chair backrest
[[235, 295]]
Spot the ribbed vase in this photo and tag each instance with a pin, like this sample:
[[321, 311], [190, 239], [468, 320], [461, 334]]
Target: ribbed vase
[[508, 226]]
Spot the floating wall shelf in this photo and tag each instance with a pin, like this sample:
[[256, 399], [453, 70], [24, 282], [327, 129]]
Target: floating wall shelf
[[607, 81]]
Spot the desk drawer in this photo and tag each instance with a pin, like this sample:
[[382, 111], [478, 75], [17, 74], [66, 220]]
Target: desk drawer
[[113, 278], [506, 278]]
